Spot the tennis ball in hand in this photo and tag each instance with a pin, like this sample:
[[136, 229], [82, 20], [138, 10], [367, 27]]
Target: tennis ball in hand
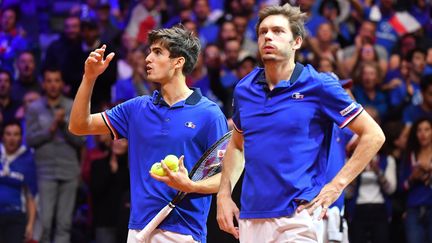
[[172, 162], [157, 169]]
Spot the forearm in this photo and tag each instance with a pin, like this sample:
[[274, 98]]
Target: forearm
[[31, 210], [368, 146], [231, 170], [80, 117], [207, 186]]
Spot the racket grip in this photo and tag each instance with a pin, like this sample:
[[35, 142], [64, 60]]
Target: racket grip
[[144, 234]]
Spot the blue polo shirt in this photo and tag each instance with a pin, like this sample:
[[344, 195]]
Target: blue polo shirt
[[155, 130], [287, 133]]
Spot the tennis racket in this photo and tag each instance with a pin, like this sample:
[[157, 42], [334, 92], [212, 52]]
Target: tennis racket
[[209, 164]]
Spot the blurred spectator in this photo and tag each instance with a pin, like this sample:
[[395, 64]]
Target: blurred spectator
[[27, 78], [85, 10], [403, 47], [421, 10], [249, 46], [181, 16], [336, 12], [231, 56], [17, 187], [367, 89], [63, 53], [90, 41], [382, 13], [109, 182], [366, 34], [367, 54], [29, 98], [12, 39], [207, 28], [47, 121], [213, 63], [249, 10], [245, 66], [417, 58], [124, 63], [108, 31], [324, 44], [414, 112], [314, 19], [144, 17], [8, 105], [417, 182], [136, 85], [370, 206]]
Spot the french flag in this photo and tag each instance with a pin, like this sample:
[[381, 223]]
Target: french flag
[[404, 22]]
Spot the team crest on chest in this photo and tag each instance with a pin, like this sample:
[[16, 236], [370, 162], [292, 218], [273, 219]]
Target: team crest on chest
[[190, 125]]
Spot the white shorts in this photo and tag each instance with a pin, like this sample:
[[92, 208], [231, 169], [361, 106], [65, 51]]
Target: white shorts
[[299, 228], [161, 236]]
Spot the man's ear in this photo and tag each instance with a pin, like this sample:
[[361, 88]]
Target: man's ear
[[298, 41], [179, 62]]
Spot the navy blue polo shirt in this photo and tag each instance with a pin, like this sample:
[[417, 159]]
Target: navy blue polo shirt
[[287, 132], [155, 130]]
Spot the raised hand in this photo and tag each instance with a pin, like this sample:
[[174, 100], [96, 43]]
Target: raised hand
[[95, 63]]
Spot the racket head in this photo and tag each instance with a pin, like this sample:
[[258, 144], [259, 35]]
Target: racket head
[[210, 162]]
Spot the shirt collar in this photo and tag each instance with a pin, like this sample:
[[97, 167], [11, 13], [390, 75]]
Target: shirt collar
[[193, 99], [298, 68]]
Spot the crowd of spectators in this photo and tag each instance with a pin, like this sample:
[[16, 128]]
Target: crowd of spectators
[[82, 195]]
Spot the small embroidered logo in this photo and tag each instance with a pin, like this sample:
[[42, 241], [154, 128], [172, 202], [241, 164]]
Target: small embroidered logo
[[297, 96], [190, 125]]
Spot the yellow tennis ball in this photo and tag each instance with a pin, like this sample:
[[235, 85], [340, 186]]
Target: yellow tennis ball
[[172, 162], [157, 169]]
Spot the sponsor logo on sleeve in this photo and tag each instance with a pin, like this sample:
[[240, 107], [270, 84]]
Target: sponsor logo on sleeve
[[347, 110]]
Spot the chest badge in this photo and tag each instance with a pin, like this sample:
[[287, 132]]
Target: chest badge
[[297, 96], [190, 125]]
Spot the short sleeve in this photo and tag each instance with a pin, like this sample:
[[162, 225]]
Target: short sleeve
[[236, 114], [217, 129], [336, 103], [30, 177], [117, 118]]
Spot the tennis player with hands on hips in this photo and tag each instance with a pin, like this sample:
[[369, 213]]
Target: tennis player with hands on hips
[[156, 126], [283, 117]]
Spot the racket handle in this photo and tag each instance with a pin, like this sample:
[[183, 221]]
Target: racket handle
[[143, 235]]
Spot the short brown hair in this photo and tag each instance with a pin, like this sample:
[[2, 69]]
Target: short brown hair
[[180, 43], [295, 17]]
